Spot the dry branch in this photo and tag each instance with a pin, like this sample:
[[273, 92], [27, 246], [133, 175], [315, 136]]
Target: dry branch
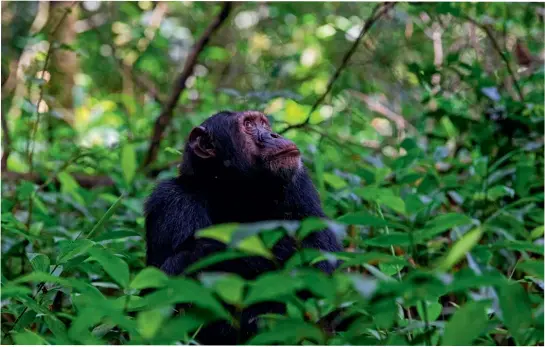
[[165, 117]]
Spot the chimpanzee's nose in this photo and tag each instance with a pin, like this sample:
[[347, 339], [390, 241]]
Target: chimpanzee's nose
[[268, 138]]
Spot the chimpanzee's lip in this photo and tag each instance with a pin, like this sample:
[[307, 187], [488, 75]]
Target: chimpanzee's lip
[[291, 150]]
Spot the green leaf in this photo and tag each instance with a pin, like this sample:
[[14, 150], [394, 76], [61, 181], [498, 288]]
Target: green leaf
[[40, 262], [220, 232], [428, 184], [105, 217], [314, 224], [391, 239], [128, 162], [242, 237], [36, 229], [384, 313], [439, 224], [149, 277], [382, 196], [460, 248], [516, 311], [532, 267], [467, 324], [523, 176], [537, 232], [28, 338], [28, 317], [351, 259], [70, 186], [334, 181], [388, 269], [467, 278], [230, 288], [149, 322], [40, 206], [173, 151], [216, 53], [295, 113], [87, 318], [71, 249], [394, 202], [254, 245], [80, 285], [214, 259], [15, 291], [363, 218], [318, 283], [289, 332], [498, 192], [516, 245], [116, 234], [272, 286], [449, 127], [433, 310], [183, 290], [112, 264], [177, 329], [305, 256], [57, 328]]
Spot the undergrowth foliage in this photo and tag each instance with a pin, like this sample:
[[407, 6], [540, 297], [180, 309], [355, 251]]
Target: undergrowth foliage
[[440, 210]]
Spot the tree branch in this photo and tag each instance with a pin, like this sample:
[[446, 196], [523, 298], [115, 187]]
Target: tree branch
[[165, 117], [378, 12]]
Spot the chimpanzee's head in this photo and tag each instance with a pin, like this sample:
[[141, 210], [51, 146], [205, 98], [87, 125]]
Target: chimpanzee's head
[[240, 143]]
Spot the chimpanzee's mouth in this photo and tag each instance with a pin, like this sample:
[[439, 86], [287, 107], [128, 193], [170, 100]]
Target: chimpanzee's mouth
[[288, 151]]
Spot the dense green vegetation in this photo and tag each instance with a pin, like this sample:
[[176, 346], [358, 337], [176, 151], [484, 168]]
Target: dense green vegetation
[[423, 135]]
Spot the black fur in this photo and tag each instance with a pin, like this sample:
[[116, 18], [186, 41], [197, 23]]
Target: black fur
[[228, 189]]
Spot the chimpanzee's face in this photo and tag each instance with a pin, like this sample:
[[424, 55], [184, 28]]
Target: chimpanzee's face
[[264, 148], [244, 141]]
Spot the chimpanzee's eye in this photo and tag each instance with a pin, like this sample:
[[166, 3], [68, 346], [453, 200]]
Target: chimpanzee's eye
[[248, 124]]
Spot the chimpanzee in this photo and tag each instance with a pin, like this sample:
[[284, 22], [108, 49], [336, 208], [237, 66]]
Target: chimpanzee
[[234, 169]]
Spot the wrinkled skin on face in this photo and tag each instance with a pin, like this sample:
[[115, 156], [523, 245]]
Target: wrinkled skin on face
[[265, 148], [243, 142]]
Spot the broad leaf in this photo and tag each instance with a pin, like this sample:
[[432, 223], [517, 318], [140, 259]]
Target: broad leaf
[[112, 264], [149, 277], [467, 324]]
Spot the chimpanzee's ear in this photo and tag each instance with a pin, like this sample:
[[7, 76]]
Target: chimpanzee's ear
[[201, 143]]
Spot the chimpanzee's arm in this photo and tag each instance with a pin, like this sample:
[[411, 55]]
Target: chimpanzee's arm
[[172, 217]]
